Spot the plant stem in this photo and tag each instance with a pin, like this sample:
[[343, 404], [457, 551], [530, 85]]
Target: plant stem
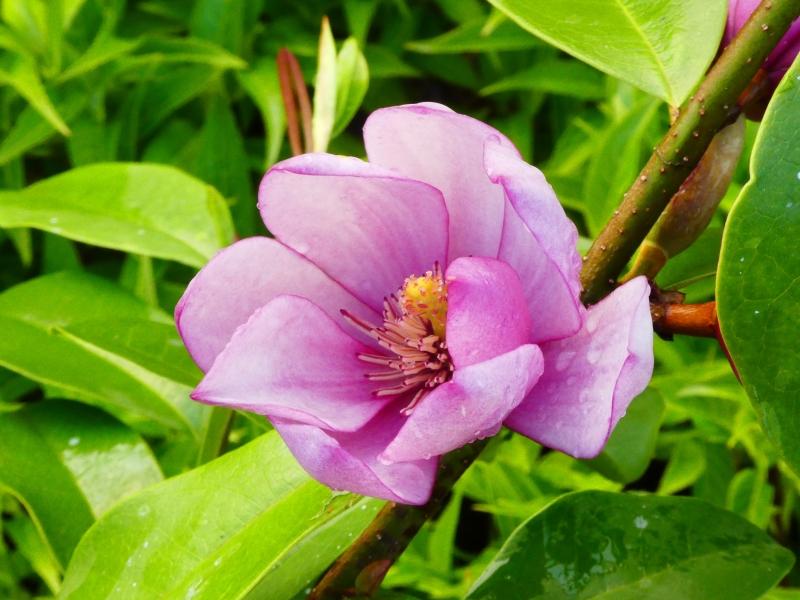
[[360, 570], [698, 320], [714, 105]]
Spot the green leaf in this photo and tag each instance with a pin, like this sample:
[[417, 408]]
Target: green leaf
[[476, 36], [624, 546], [627, 454], [661, 46], [352, 81], [751, 496], [686, 464], [158, 50], [20, 73], [325, 91], [758, 284], [68, 463], [250, 523], [104, 49], [556, 76], [262, 85], [152, 210], [96, 342]]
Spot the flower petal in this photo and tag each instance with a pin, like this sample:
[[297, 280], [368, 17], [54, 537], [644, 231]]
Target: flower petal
[[486, 310], [365, 227], [243, 278], [591, 377], [431, 143], [470, 406], [349, 461], [291, 360], [540, 242]]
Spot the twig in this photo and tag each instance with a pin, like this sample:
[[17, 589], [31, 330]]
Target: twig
[[698, 320], [714, 105]]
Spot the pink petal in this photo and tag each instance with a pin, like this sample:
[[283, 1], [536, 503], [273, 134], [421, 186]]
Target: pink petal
[[486, 310], [431, 143], [540, 242], [470, 406], [365, 227], [349, 461], [241, 279], [291, 360], [591, 377]]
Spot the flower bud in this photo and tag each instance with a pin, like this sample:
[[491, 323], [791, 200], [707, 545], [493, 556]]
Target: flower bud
[[690, 210]]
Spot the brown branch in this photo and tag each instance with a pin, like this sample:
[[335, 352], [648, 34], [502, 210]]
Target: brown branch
[[714, 105], [698, 320], [289, 104]]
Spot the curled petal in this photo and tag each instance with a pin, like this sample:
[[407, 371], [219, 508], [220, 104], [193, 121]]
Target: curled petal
[[591, 377], [470, 406], [431, 143], [349, 461], [364, 226], [487, 314], [291, 360], [540, 242], [243, 278]]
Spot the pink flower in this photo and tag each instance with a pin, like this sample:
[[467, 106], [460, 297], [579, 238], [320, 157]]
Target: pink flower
[[782, 56], [412, 304]]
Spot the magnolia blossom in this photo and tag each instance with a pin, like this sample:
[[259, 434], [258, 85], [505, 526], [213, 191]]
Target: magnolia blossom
[[412, 304], [784, 53]]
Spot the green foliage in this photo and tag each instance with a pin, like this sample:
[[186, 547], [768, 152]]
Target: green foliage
[[758, 281], [132, 139]]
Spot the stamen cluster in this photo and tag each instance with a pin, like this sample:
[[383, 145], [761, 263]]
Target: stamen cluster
[[413, 331]]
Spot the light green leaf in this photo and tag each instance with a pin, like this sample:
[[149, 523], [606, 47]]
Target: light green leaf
[[475, 36], [629, 547], [262, 85], [20, 73], [661, 46], [562, 77], [96, 342], [152, 210], [104, 49], [68, 463], [758, 283], [324, 89], [249, 524], [686, 464], [352, 81], [157, 50]]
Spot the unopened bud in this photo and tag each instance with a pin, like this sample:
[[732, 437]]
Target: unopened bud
[[690, 210]]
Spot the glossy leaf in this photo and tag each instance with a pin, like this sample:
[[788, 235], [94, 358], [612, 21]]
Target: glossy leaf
[[667, 45], [68, 463], [625, 546], [250, 523], [758, 284], [148, 209], [352, 80], [100, 344]]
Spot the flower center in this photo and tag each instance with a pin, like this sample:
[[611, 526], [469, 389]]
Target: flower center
[[413, 330]]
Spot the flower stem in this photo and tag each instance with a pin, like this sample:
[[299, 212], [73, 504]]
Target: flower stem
[[698, 320], [714, 105], [360, 570]]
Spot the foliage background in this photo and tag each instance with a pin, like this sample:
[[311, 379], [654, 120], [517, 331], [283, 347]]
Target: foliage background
[[97, 249]]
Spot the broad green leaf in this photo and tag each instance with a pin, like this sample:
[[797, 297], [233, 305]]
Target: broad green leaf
[[325, 91], [68, 463], [249, 524], [262, 85], [661, 46], [562, 77], [97, 343], [686, 464], [628, 547], [220, 21], [20, 73], [29, 543], [152, 210], [627, 454], [758, 283], [751, 496], [352, 80], [476, 36]]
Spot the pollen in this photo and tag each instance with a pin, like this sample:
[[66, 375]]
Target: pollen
[[412, 333]]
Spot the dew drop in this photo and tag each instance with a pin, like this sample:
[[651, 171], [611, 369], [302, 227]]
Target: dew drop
[[301, 247], [144, 510], [789, 204], [593, 356], [140, 231], [463, 410], [53, 220], [218, 562], [640, 522], [74, 441]]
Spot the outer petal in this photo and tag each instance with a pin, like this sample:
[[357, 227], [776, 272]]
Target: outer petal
[[365, 227], [591, 378], [486, 310], [431, 143], [470, 406], [539, 241], [349, 461], [291, 360], [243, 278]]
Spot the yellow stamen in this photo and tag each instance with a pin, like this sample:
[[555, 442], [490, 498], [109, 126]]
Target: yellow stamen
[[426, 297]]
